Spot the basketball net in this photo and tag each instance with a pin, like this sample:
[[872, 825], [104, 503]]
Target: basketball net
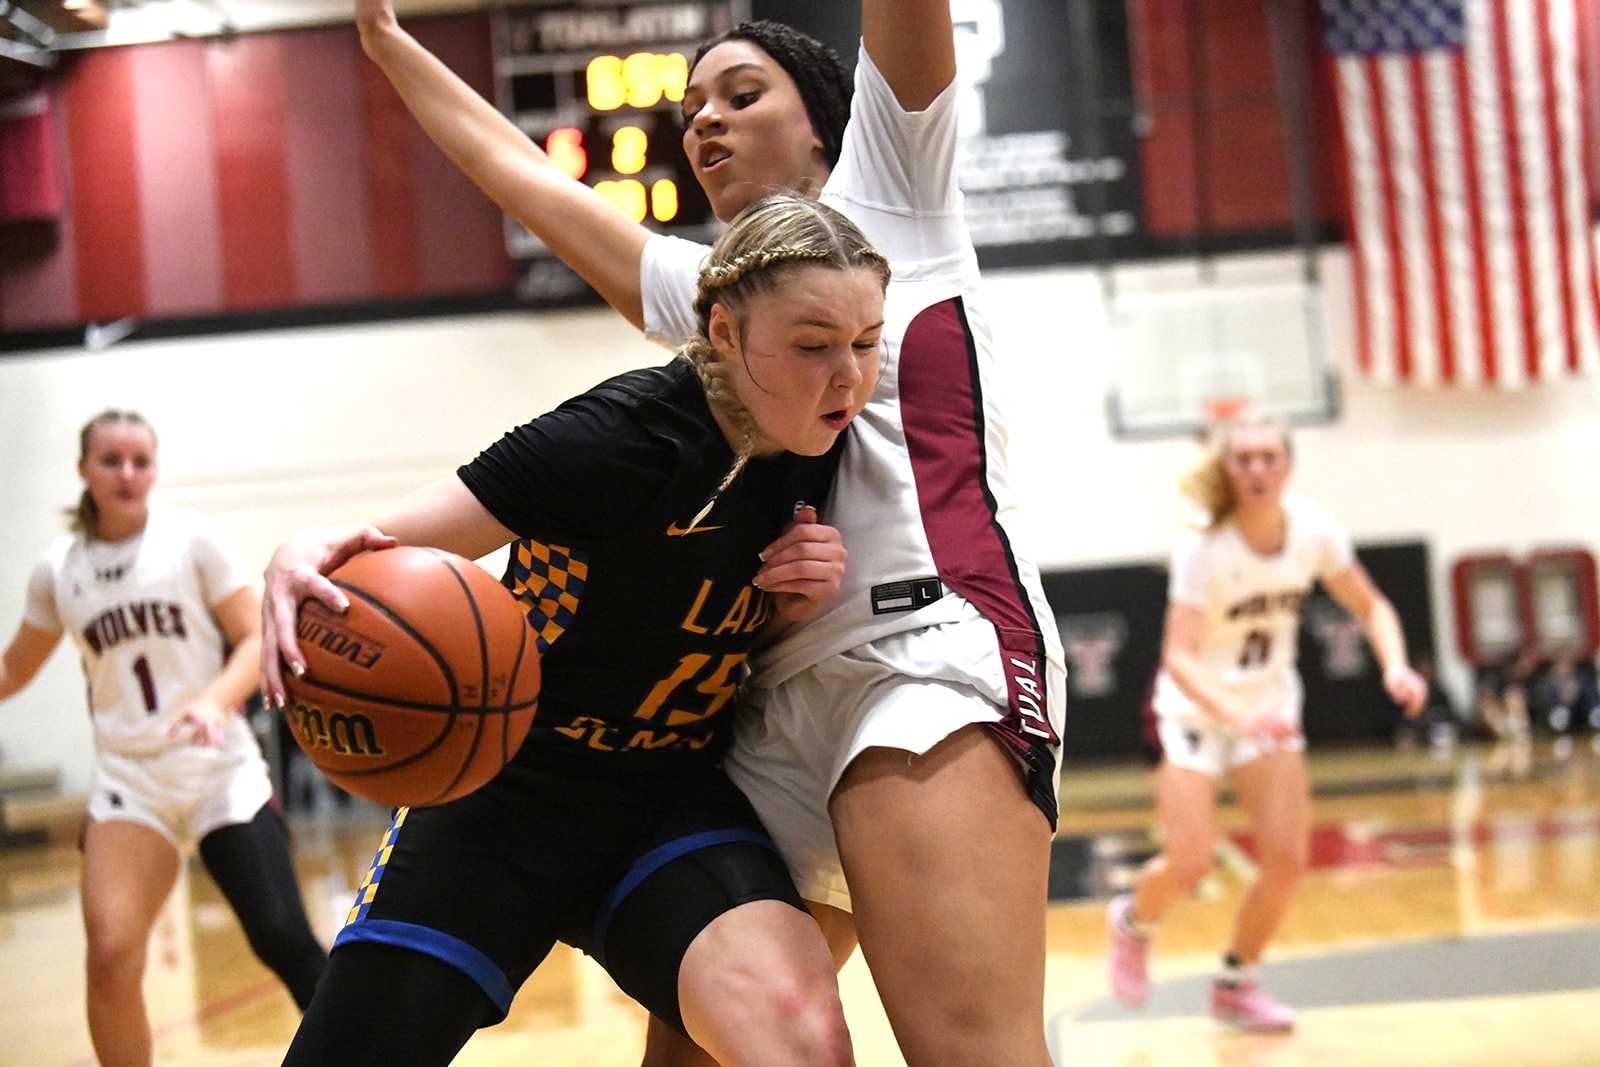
[[1221, 409]]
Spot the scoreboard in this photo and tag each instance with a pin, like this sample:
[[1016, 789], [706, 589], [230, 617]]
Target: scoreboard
[[598, 84], [1048, 155]]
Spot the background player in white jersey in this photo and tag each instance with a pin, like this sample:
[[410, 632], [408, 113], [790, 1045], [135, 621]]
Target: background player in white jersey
[[154, 604], [1227, 702], [940, 643]]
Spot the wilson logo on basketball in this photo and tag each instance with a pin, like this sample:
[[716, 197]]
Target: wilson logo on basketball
[[349, 734], [338, 640]]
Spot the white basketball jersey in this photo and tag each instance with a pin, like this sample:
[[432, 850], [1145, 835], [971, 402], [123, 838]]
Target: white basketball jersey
[[921, 499], [139, 611], [1252, 608]]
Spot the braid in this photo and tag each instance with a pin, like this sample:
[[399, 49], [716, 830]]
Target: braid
[[717, 277]]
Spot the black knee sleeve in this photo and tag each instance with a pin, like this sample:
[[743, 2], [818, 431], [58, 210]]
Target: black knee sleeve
[[251, 865], [379, 1006]]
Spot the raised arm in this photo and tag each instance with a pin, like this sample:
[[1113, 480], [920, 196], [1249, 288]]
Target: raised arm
[[913, 44], [587, 232]]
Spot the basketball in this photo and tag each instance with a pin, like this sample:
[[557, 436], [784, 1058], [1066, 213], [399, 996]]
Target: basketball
[[424, 688]]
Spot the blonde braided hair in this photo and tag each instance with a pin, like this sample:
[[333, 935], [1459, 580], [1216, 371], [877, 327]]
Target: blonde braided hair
[[762, 244]]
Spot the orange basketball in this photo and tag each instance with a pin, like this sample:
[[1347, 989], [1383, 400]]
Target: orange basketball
[[424, 688]]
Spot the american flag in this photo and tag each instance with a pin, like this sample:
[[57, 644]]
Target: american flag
[[1472, 247]]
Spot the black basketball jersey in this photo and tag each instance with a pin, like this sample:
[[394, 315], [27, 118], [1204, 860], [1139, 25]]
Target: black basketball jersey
[[644, 617]]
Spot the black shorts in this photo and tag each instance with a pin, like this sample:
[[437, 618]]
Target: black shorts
[[629, 871]]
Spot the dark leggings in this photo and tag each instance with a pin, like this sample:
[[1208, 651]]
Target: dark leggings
[[380, 1005], [250, 863]]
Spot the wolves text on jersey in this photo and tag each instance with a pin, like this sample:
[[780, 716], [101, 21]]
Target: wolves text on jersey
[[1286, 602], [139, 619]]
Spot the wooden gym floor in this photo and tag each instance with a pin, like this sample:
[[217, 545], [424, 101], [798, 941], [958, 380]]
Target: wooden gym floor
[[1452, 918]]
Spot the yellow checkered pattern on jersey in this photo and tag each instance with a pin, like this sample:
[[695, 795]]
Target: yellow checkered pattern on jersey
[[548, 582], [369, 885]]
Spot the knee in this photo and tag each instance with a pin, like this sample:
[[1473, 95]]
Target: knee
[[1189, 866], [280, 934], [114, 955], [290, 951], [814, 1015], [803, 1015], [978, 1031], [294, 955]]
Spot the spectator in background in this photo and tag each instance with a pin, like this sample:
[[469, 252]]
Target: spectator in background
[[1566, 697], [1502, 697]]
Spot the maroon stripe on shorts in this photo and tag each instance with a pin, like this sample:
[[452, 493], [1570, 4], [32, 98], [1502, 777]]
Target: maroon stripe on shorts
[[941, 408], [1154, 750]]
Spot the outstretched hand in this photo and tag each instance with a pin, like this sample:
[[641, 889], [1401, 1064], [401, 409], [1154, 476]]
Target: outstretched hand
[[802, 570], [1407, 688], [295, 573], [374, 14]]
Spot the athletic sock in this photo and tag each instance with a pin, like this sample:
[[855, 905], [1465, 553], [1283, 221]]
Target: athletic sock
[[1234, 972], [1130, 924]]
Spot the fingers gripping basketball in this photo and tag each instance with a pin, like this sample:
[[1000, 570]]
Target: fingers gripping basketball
[[424, 688]]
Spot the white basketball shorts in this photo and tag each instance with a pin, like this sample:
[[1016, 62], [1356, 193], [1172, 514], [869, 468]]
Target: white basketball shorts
[[184, 792], [907, 691], [1212, 749]]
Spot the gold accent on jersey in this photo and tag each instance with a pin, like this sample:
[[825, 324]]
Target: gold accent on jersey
[[674, 530]]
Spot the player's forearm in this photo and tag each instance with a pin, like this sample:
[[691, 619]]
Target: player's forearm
[[17, 667], [1388, 640], [445, 514], [237, 679], [10, 684], [1200, 685], [465, 126]]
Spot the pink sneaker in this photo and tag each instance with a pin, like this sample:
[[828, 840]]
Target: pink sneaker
[[1129, 963], [1248, 1007]]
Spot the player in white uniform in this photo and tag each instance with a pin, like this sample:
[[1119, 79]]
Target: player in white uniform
[[941, 643], [1227, 702], [154, 603]]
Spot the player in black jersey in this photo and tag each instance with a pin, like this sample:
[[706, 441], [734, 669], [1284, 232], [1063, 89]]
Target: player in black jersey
[[656, 534]]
